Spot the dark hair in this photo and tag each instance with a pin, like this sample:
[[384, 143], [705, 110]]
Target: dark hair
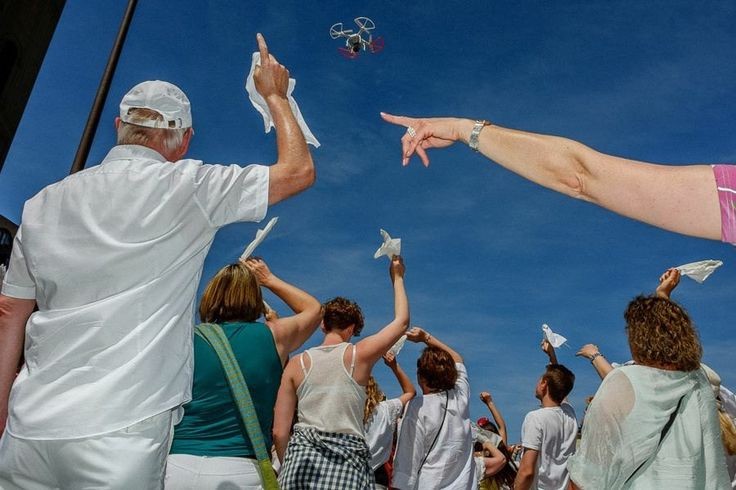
[[661, 334], [340, 313], [560, 381], [437, 369], [507, 475]]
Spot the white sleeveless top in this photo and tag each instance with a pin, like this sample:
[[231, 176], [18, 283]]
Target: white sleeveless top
[[330, 399]]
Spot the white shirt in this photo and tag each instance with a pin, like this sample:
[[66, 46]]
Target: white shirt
[[113, 256], [552, 432], [379, 431], [450, 464]]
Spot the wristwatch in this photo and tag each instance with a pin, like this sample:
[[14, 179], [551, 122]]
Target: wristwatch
[[473, 140], [595, 356]]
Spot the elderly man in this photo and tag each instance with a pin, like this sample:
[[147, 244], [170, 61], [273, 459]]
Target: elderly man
[[112, 256]]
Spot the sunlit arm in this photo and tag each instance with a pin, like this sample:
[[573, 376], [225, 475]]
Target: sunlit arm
[[283, 413], [527, 468], [14, 314]]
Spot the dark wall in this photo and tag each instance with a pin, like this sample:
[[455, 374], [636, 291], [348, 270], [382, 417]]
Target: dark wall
[[26, 27]]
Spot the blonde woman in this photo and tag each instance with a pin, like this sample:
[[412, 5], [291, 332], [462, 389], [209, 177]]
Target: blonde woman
[[210, 449]]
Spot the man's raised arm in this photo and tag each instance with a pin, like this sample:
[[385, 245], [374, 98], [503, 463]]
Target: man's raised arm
[[293, 171]]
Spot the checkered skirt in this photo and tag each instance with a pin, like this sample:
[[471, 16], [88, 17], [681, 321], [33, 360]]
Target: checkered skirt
[[326, 461]]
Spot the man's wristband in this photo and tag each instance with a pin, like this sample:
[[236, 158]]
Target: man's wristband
[[473, 140], [595, 356]]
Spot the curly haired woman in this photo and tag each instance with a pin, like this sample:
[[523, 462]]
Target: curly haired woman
[[653, 424], [328, 448]]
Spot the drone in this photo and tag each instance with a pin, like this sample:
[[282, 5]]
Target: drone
[[354, 41]]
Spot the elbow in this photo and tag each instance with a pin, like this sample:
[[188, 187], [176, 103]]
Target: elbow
[[572, 169]]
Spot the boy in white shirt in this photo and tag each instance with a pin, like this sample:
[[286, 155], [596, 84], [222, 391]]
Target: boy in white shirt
[[548, 433]]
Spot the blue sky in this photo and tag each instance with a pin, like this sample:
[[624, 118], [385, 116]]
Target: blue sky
[[490, 257]]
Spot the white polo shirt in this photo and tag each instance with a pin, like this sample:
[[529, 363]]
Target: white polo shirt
[[113, 256]]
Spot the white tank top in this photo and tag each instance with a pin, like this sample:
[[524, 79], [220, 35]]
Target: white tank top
[[330, 399]]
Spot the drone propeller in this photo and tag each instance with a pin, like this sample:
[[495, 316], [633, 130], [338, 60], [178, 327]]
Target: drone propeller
[[376, 45], [365, 24], [337, 31], [347, 53]]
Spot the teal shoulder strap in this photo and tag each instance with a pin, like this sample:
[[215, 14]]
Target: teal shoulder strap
[[215, 337]]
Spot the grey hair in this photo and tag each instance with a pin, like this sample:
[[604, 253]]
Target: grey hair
[[132, 134]]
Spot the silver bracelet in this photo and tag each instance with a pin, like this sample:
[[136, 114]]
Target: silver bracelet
[[473, 140]]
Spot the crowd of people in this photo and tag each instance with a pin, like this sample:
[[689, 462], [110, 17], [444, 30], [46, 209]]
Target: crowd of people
[[106, 382]]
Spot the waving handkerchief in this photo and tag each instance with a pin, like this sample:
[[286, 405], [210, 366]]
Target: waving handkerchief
[[396, 348], [553, 338], [260, 103], [260, 236], [389, 247], [699, 271]]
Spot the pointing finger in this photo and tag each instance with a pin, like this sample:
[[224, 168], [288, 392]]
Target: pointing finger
[[262, 47], [399, 120]]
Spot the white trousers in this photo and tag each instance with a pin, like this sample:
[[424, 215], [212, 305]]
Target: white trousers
[[187, 472], [130, 458]]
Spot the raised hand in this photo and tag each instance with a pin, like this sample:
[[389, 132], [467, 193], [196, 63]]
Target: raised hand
[[668, 282], [270, 77], [587, 351], [486, 397], [390, 359], [397, 268], [259, 269], [417, 334], [425, 133]]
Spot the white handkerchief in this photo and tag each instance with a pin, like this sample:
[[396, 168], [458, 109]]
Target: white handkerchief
[[699, 271], [396, 348], [260, 236], [260, 103], [389, 247], [553, 338]]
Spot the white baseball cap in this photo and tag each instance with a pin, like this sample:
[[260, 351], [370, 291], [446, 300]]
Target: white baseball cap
[[163, 97]]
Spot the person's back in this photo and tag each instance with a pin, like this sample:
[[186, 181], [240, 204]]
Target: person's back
[[212, 425], [330, 400], [116, 254], [552, 432], [625, 422]]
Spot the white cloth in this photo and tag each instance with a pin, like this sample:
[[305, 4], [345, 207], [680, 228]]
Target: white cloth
[[330, 399], [389, 247], [187, 472], [552, 432], [260, 103], [379, 431], [699, 271], [450, 464], [623, 427], [133, 457], [113, 256], [553, 338], [260, 236]]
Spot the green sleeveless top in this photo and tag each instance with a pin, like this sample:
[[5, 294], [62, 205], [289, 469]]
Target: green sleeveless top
[[211, 425]]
